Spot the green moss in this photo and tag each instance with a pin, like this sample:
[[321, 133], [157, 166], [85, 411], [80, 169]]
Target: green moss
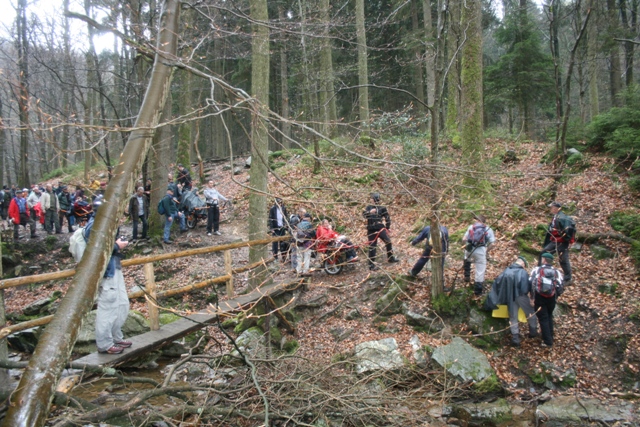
[[276, 335], [166, 318], [488, 385], [454, 306], [368, 178], [291, 346]]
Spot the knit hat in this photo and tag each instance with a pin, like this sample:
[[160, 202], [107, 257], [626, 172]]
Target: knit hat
[[548, 256], [526, 264]]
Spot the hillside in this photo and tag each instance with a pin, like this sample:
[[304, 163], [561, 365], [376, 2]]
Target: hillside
[[597, 318]]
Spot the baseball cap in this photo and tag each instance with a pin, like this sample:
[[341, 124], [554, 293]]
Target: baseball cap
[[555, 204]]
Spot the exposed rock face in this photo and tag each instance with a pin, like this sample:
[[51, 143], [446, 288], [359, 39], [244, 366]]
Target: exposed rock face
[[463, 361], [565, 410], [378, 355]]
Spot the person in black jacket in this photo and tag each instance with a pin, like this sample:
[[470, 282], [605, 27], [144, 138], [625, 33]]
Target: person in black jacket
[[559, 238], [278, 225], [512, 288], [66, 208], [376, 229], [138, 211], [184, 178], [425, 234]]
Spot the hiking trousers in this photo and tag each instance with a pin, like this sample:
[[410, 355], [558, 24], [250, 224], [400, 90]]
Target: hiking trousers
[[479, 257], [372, 237], [544, 310], [213, 218], [524, 303], [113, 309]]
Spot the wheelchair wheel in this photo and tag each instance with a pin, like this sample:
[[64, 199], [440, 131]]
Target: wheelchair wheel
[[332, 265], [192, 220]]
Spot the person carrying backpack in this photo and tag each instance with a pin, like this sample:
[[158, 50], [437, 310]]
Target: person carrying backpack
[[169, 209], [112, 301], [559, 238], [376, 229], [512, 288], [478, 238], [547, 284]]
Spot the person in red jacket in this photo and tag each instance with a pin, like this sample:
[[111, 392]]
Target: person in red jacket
[[325, 235], [20, 214]]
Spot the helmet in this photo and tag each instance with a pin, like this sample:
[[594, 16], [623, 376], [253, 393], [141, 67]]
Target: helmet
[[375, 197]]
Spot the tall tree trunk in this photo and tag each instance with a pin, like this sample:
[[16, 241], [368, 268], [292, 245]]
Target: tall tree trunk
[[31, 401], [592, 57], [471, 77], [630, 29], [23, 91], [418, 70], [438, 72], [259, 137], [615, 79], [284, 85], [327, 91], [363, 72], [454, 86], [430, 51], [159, 160], [3, 149]]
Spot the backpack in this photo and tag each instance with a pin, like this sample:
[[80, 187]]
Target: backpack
[[571, 230], [161, 209], [77, 244], [477, 235], [547, 283]]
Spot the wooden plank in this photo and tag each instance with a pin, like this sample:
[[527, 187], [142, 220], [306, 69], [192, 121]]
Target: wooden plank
[[152, 308], [152, 340], [228, 269]]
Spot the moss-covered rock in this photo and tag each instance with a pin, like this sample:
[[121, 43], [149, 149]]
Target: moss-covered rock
[[455, 306], [390, 303]]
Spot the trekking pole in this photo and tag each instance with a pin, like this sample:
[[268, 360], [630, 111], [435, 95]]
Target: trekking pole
[[455, 278]]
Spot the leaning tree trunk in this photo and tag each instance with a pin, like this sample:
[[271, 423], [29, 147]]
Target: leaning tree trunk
[[32, 399], [259, 137]]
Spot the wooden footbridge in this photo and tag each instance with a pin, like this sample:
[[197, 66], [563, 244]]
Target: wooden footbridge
[[152, 340], [159, 336]]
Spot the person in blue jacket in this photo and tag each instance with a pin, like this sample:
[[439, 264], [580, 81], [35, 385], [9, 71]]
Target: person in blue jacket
[[425, 234]]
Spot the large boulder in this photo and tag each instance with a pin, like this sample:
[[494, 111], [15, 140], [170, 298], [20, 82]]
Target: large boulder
[[378, 355], [569, 410], [463, 361], [251, 341], [24, 341]]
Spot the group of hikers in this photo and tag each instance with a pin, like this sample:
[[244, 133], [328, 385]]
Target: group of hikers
[[535, 292], [48, 205]]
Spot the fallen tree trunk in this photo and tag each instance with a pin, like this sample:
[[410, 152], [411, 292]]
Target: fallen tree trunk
[[592, 238], [31, 402]]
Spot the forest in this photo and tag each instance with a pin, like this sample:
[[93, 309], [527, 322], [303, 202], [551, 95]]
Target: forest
[[449, 109]]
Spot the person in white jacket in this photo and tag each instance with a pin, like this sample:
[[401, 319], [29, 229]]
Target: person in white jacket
[[213, 199]]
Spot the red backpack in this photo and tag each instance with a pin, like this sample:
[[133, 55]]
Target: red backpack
[[547, 283]]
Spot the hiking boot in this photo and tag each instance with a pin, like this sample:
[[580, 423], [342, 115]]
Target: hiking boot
[[533, 333], [515, 341], [373, 267], [477, 289], [124, 343], [544, 344], [114, 349], [410, 274], [393, 259], [168, 242]]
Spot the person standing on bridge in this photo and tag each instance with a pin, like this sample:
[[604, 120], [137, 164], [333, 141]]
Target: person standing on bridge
[[113, 301]]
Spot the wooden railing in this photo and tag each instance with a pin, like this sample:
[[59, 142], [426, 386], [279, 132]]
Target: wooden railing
[[150, 292]]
